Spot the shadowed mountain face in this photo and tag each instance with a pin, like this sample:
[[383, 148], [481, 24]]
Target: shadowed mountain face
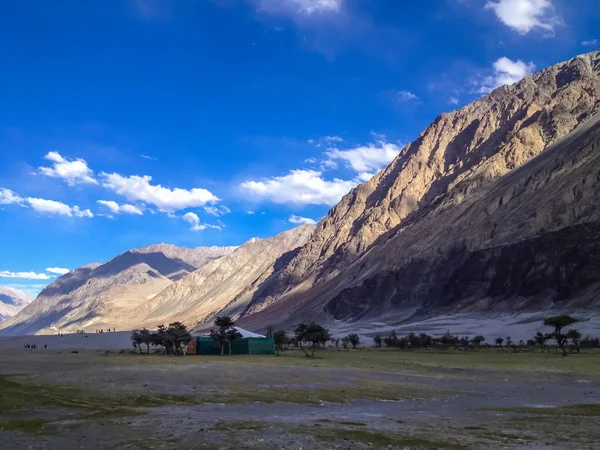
[[96, 293], [484, 211], [11, 302], [219, 283]]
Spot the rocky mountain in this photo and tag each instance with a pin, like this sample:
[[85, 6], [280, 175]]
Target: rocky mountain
[[230, 280], [485, 210], [12, 301], [100, 295], [493, 208]]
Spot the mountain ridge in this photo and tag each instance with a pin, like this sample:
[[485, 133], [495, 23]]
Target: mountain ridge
[[485, 211], [88, 294], [12, 301]]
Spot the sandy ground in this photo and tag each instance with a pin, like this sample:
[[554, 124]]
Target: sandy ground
[[89, 341], [491, 326], [408, 407]]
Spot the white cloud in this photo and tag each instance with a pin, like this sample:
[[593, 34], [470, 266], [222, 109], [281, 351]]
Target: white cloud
[[368, 158], [453, 101], [125, 208], [151, 158], [365, 176], [50, 206], [113, 206], [302, 220], [204, 226], [505, 71], [82, 212], [305, 187], [524, 16], [8, 197], [73, 171], [217, 211], [24, 275], [301, 7], [191, 218], [590, 43], [57, 270], [194, 220], [131, 209], [406, 96], [138, 188]]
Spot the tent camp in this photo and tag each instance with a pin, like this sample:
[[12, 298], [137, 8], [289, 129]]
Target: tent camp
[[249, 344]]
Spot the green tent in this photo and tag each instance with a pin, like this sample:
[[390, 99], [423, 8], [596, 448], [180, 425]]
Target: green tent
[[205, 345]]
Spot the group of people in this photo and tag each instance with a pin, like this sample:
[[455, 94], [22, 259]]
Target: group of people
[[33, 346], [109, 330]]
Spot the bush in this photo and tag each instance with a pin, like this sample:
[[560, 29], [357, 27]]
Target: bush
[[311, 336]]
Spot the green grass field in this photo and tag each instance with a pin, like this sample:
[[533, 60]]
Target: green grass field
[[405, 361]]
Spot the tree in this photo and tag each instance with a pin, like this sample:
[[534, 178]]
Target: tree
[[540, 339], [354, 340], [560, 322], [425, 340], [225, 332], [391, 340], [509, 341], [171, 339], [345, 342], [280, 339], [159, 338], [575, 337], [499, 341], [310, 337], [477, 341], [449, 340], [377, 340], [146, 338], [136, 340], [178, 337]]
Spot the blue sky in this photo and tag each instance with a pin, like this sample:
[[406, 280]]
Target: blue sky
[[207, 122]]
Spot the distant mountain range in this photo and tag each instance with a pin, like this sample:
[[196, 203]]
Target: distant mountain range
[[99, 295], [12, 301], [493, 208]]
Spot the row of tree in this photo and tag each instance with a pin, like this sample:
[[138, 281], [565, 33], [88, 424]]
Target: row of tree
[[563, 339], [172, 339], [311, 336]]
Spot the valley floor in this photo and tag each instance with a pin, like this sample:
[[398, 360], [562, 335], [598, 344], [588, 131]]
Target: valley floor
[[339, 399]]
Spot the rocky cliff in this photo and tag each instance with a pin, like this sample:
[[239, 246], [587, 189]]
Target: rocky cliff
[[506, 176]]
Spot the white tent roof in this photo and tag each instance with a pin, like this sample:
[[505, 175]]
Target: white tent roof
[[244, 333], [248, 334]]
